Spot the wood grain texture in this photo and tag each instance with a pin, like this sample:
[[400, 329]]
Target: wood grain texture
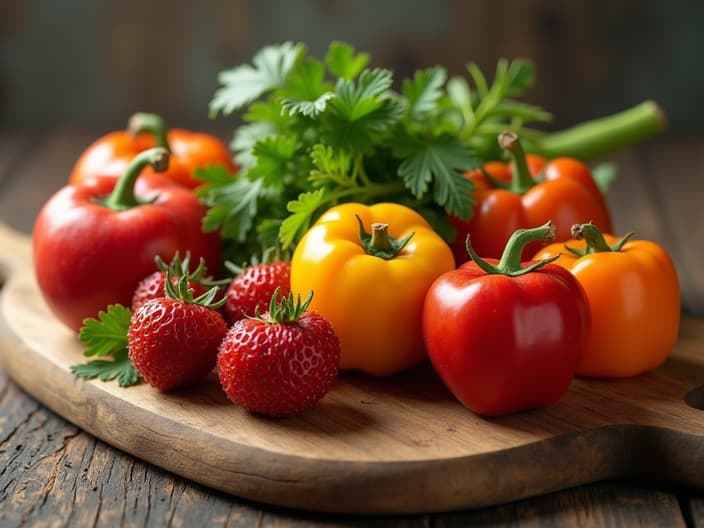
[[372, 446]]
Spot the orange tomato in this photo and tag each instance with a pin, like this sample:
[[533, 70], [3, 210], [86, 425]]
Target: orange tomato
[[634, 298], [110, 155], [526, 193]]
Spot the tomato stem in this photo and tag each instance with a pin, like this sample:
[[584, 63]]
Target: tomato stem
[[522, 181], [510, 263], [151, 123], [122, 196], [595, 241], [601, 136]]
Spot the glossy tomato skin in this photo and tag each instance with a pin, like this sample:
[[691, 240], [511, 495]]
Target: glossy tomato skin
[[505, 344], [110, 155], [87, 256], [565, 193]]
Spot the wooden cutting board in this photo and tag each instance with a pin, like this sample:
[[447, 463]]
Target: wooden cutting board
[[400, 445]]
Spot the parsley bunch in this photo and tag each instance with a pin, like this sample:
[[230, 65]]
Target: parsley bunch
[[320, 132]]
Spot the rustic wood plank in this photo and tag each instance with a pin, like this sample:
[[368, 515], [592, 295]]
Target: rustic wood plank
[[673, 171], [611, 504]]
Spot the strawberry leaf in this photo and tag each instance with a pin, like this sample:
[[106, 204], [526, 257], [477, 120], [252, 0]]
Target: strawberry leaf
[[108, 333], [105, 336], [105, 370]]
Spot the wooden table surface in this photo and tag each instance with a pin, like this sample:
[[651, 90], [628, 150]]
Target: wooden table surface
[[53, 474]]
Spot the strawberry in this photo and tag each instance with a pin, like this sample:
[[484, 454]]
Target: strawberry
[[254, 287], [280, 363], [173, 341], [152, 286]]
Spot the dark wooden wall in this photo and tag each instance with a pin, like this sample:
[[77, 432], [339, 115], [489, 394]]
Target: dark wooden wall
[[96, 61]]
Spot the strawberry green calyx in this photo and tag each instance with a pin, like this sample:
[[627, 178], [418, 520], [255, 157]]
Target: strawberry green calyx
[[183, 293], [179, 267], [510, 263], [595, 241], [379, 243], [286, 310]]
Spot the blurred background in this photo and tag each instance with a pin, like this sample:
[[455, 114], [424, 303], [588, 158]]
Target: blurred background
[[94, 62]]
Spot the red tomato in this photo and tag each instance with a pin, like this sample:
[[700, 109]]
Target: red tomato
[[502, 339]]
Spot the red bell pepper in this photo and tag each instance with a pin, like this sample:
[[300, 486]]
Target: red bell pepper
[[110, 155], [506, 337], [528, 192], [94, 241]]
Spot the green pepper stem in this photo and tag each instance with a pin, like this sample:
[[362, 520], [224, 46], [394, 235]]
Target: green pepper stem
[[594, 239], [122, 196], [522, 180], [510, 263], [601, 136], [151, 123]]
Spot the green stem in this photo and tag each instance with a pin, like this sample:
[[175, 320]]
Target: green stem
[[595, 241], [521, 181], [598, 137], [380, 237], [510, 263], [151, 123], [379, 243], [122, 196]]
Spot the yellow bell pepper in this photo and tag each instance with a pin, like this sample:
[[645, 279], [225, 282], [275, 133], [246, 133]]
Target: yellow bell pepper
[[371, 286]]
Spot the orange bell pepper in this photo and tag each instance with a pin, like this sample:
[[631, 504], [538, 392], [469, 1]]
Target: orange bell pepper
[[634, 297], [529, 191], [110, 155]]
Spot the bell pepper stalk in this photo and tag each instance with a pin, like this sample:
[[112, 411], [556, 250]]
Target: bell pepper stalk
[[109, 155], [504, 335], [528, 191], [370, 285], [94, 241], [634, 298]]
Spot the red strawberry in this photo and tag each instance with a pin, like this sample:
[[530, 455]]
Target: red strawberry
[[255, 286], [152, 286], [173, 342], [280, 363]]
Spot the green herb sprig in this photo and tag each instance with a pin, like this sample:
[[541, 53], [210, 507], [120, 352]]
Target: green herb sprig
[[320, 132]]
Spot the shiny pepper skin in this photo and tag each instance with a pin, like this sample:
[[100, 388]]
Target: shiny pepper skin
[[564, 193], [373, 303], [634, 298], [109, 156]]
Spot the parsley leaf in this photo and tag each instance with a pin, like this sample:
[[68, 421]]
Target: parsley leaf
[[342, 61], [424, 91], [105, 336], [362, 113], [232, 201], [246, 83], [272, 155], [292, 107], [440, 161], [120, 367], [300, 220]]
